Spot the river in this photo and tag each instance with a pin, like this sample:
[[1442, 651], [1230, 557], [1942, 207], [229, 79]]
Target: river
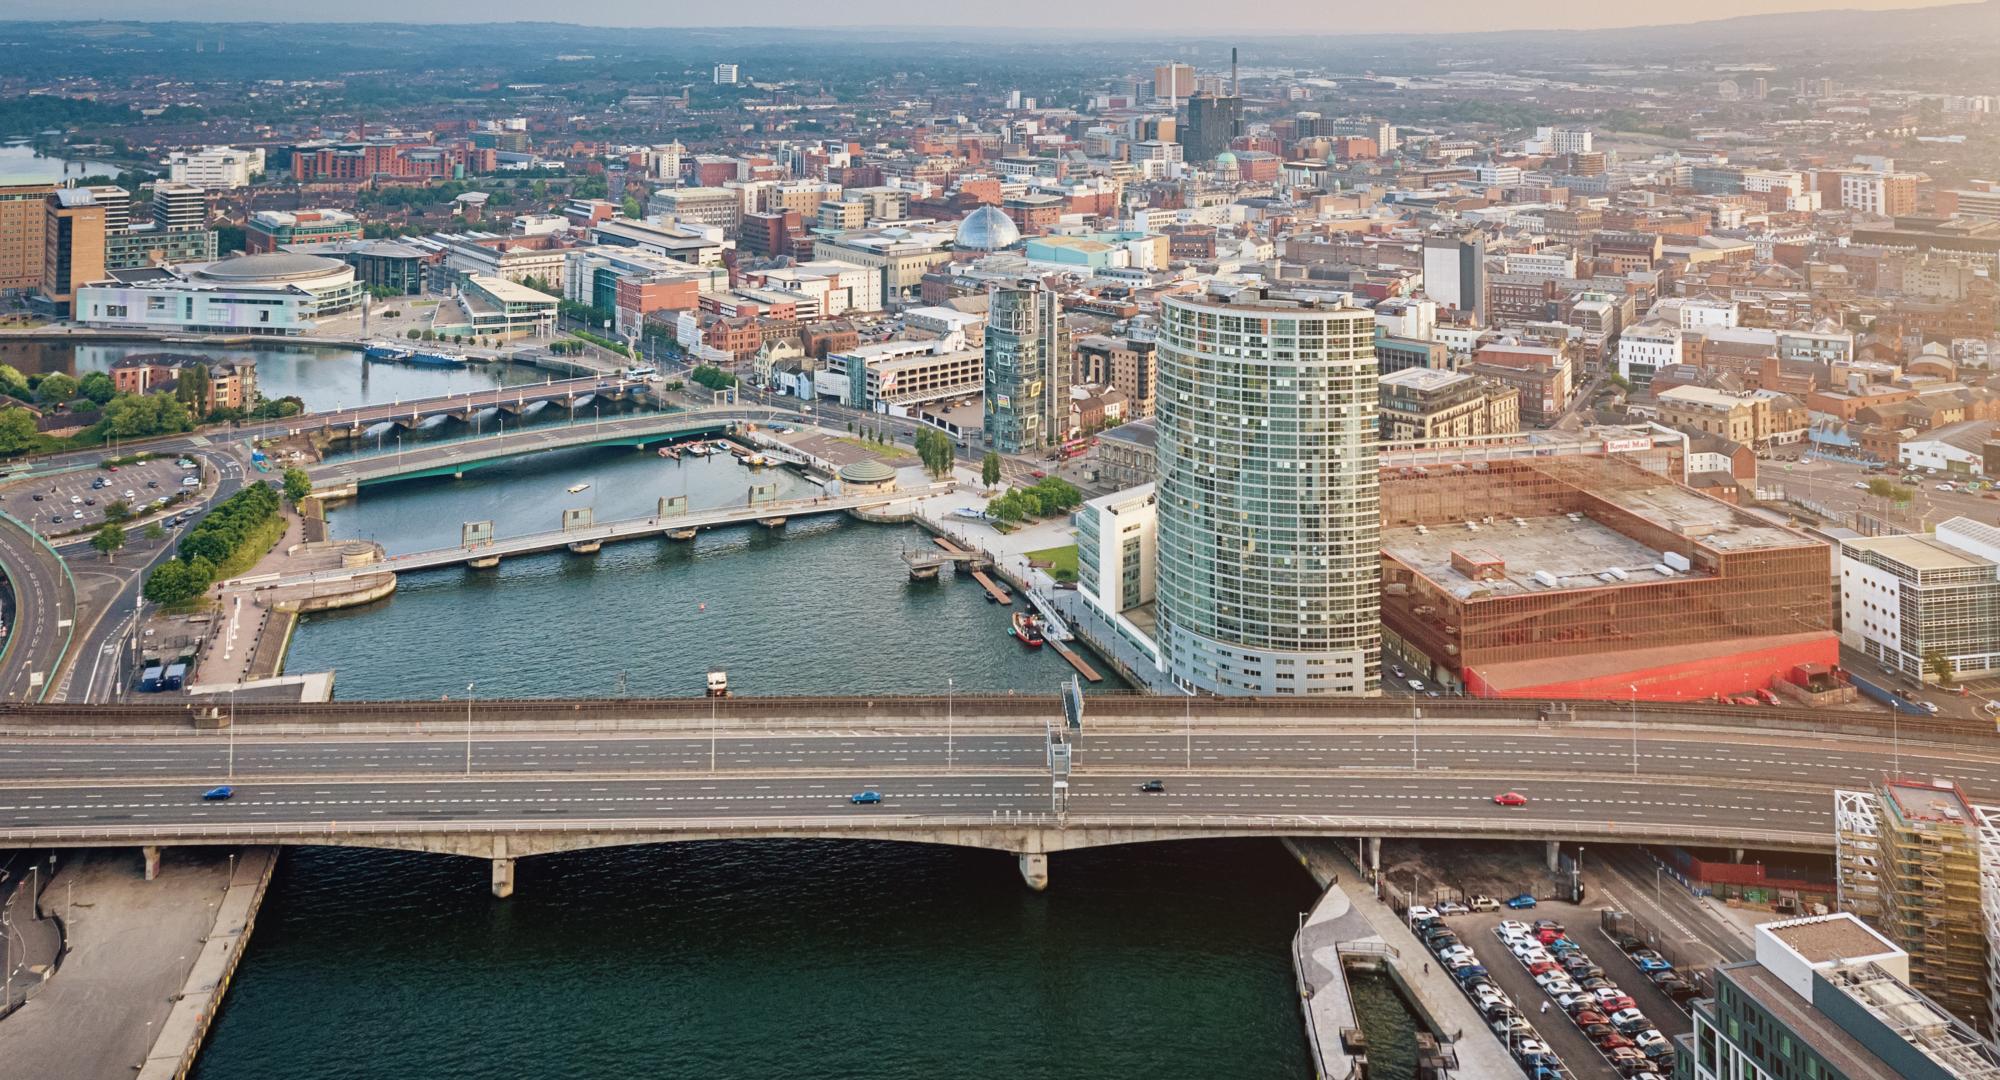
[[325, 379], [21, 163], [772, 959]]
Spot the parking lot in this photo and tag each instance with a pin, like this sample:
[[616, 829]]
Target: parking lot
[[72, 503], [1553, 1026]]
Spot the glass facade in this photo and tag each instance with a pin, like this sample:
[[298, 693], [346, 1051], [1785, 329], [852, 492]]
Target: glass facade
[[1027, 360], [1269, 516]]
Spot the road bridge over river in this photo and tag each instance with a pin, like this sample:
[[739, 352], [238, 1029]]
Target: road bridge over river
[[503, 780]]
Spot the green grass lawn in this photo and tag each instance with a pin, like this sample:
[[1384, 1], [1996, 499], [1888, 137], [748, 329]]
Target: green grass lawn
[[1062, 561]]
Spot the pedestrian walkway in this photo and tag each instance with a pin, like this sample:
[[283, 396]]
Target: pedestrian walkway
[[1480, 1053]]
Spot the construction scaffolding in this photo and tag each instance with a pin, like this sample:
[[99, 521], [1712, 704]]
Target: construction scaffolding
[[1917, 861]]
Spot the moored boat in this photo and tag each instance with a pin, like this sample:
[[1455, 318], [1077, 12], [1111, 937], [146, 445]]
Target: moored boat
[[1028, 628]]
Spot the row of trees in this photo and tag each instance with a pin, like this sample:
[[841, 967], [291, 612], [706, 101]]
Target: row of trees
[[211, 543], [712, 377], [1047, 498]]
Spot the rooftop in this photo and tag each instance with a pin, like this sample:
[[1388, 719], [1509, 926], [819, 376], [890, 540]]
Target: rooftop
[[1425, 379], [1841, 1050], [1829, 939], [1916, 552], [1937, 803]]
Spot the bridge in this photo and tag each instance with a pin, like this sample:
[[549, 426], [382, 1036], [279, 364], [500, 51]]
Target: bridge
[[511, 779], [586, 537], [452, 458], [509, 400]]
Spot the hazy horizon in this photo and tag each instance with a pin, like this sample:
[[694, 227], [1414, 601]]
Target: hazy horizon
[[1415, 17]]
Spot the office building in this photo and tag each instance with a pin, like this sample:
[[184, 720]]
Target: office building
[[217, 167], [1269, 575], [272, 230], [1826, 998], [24, 214], [1130, 364], [718, 207], [1424, 407], [725, 74], [1173, 81], [1912, 603], [1212, 121], [1028, 364], [1455, 272], [1916, 861], [73, 236], [178, 207]]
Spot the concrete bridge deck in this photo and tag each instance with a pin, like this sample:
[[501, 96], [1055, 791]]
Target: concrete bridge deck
[[449, 458], [590, 537], [508, 398]]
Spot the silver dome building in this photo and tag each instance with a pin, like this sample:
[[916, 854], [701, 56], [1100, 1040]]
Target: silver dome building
[[987, 229]]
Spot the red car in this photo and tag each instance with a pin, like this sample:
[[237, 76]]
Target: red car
[[1039, 474], [1510, 798]]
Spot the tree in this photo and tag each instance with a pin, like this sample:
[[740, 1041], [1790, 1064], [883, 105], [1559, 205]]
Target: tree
[[935, 450], [989, 468], [109, 539], [133, 415], [175, 581], [12, 381], [414, 333], [17, 430], [55, 388], [119, 510], [97, 386], [1939, 665], [631, 208], [192, 390], [1883, 489], [297, 485], [154, 533]]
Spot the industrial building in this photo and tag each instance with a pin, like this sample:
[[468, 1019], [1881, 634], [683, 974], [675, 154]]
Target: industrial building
[[1591, 577]]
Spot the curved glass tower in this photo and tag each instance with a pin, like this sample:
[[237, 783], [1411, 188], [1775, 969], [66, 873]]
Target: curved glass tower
[[1269, 508]]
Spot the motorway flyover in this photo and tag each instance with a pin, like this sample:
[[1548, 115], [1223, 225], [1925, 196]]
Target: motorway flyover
[[980, 785], [44, 613]]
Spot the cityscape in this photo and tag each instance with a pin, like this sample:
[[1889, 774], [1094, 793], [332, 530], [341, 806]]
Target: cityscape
[[1447, 544]]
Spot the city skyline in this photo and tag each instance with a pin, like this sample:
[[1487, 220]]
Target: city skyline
[[1425, 17]]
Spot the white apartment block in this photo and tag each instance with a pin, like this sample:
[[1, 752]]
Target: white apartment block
[[1645, 349]]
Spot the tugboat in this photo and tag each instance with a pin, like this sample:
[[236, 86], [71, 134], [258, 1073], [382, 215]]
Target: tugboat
[[718, 683], [1028, 628]]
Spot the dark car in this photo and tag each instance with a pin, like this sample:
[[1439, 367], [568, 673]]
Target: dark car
[[218, 794], [39, 496], [1153, 785]]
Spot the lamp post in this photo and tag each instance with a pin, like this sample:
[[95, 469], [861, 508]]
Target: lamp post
[[468, 728], [1416, 714], [950, 698], [711, 734], [1634, 687], [1187, 726], [232, 733]]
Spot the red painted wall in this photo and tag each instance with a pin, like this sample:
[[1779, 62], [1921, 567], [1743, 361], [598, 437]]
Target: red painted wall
[[1693, 681]]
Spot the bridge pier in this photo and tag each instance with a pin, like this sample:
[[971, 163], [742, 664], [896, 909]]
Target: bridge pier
[[1554, 854], [1736, 855], [1035, 869], [586, 547], [151, 854], [487, 562], [1374, 858], [503, 878]]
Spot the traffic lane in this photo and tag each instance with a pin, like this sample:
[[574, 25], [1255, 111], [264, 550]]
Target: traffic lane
[[1553, 1025], [1631, 881], [1525, 755], [1562, 808], [204, 755], [43, 597], [1531, 752]]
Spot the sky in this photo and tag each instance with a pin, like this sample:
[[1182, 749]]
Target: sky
[[1146, 18]]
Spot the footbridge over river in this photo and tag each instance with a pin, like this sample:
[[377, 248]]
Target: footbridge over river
[[508, 779], [345, 476]]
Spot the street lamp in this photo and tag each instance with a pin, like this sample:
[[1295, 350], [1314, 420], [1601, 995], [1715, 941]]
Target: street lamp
[[950, 696], [1634, 687], [232, 733], [1416, 714], [468, 729]]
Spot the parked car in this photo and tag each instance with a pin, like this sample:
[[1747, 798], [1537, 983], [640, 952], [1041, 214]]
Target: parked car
[[1452, 907], [1521, 902], [1485, 903], [1630, 1021]]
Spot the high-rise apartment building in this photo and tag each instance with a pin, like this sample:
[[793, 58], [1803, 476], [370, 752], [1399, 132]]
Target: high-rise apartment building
[[1027, 368], [179, 206], [1269, 507], [725, 74], [1212, 121], [23, 215], [1173, 81]]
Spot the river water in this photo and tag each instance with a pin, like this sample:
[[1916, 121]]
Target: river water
[[727, 961]]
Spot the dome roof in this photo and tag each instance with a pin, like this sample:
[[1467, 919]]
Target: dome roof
[[987, 229], [273, 266], [1225, 158], [866, 472]]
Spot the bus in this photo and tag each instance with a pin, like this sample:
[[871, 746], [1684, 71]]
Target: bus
[[1075, 448], [645, 371]]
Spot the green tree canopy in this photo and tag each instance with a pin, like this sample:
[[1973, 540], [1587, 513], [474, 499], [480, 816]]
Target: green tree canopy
[[17, 431], [109, 539], [55, 388]]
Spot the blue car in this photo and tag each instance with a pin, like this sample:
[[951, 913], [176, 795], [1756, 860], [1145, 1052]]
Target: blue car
[[1525, 900], [865, 798], [218, 794], [1649, 965]]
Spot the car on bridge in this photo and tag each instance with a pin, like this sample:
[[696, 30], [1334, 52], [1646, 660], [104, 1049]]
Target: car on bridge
[[865, 798], [218, 794], [1510, 798]]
